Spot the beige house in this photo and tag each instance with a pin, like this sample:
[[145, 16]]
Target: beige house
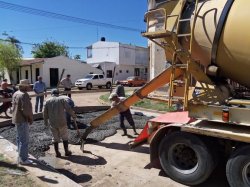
[[51, 69]]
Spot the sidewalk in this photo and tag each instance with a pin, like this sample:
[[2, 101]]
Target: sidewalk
[[47, 175]]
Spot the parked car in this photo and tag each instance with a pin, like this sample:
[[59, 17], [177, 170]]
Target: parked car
[[91, 80], [133, 81]]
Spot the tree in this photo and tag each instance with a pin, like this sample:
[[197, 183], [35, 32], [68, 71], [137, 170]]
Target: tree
[[10, 58], [77, 57], [15, 42], [49, 49]]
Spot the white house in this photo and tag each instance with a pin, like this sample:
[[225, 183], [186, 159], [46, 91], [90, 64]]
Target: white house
[[51, 69], [120, 60], [157, 58]]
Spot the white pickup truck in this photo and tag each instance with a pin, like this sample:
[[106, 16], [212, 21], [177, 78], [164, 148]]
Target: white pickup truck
[[92, 80]]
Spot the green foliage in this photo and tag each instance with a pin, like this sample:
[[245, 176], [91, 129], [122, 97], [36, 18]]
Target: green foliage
[[10, 57], [49, 49]]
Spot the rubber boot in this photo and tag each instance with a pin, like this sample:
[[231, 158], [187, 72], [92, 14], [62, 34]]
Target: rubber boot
[[66, 148], [58, 154], [135, 133], [124, 132]]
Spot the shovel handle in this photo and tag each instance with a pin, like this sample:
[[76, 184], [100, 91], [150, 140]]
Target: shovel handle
[[78, 132]]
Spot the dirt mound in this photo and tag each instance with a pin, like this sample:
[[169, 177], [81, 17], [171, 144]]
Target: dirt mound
[[41, 137]]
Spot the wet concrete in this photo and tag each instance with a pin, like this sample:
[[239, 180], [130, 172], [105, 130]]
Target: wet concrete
[[41, 137]]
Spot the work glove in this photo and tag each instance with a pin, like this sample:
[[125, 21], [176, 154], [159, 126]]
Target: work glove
[[30, 120], [74, 115]]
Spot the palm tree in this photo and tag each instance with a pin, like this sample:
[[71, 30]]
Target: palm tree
[[15, 42]]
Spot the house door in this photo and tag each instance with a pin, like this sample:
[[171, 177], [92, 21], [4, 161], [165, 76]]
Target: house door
[[53, 77], [17, 77], [37, 73]]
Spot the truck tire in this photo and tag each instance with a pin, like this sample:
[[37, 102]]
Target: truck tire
[[238, 167], [185, 158], [89, 86], [108, 85]]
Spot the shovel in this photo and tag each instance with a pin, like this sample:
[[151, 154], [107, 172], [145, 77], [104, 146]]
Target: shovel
[[84, 137], [78, 132]]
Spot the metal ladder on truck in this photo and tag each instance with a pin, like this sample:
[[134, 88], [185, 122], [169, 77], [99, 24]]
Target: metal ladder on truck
[[169, 41]]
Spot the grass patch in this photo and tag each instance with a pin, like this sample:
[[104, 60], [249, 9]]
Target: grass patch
[[105, 98], [145, 103], [153, 105]]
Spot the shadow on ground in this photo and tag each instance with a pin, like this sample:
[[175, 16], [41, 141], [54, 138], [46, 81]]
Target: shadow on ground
[[84, 160], [119, 146]]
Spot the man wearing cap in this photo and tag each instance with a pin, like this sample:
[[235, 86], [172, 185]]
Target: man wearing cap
[[119, 90], [67, 84], [40, 90], [54, 117], [22, 118], [124, 113]]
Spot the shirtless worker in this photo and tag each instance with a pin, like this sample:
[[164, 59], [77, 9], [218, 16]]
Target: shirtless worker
[[123, 114]]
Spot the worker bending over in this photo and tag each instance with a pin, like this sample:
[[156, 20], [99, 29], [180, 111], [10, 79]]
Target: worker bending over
[[123, 114], [54, 116]]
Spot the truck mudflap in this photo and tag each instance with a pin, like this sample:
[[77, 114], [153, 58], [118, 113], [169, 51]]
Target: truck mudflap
[[154, 124]]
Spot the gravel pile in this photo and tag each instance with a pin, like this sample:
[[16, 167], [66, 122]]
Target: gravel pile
[[41, 137]]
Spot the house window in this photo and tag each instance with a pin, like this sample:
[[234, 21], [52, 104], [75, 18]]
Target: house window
[[26, 74], [146, 70], [89, 52], [109, 73], [127, 71], [137, 71], [120, 71]]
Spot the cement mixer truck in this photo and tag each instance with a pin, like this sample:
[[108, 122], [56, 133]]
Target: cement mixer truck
[[207, 43]]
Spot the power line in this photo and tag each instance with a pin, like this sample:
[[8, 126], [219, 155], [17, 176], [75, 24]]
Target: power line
[[33, 11], [34, 44]]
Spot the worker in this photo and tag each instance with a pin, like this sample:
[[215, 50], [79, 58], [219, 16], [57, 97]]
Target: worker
[[22, 117], [71, 104], [67, 84], [119, 89], [124, 113], [54, 112], [4, 88], [40, 90]]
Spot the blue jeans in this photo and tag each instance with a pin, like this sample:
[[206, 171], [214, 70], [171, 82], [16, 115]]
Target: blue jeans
[[22, 139], [41, 99]]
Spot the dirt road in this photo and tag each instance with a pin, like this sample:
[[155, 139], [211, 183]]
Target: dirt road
[[110, 163]]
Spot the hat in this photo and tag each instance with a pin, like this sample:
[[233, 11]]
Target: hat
[[24, 82], [112, 96], [54, 92]]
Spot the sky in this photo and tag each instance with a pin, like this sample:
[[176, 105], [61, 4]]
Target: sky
[[28, 28]]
